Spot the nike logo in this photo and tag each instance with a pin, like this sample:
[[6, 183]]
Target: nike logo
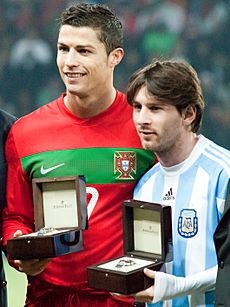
[[47, 170]]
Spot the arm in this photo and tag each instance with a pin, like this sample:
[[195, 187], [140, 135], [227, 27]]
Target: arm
[[18, 216], [168, 286]]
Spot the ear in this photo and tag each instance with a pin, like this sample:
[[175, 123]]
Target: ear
[[189, 114], [116, 56]]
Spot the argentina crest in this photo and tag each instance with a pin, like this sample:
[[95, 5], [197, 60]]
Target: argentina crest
[[124, 164], [188, 223]]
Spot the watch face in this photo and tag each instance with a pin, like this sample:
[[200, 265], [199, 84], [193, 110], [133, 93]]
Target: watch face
[[126, 264]]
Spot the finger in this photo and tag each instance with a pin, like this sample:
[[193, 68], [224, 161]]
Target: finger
[[44, 261], [24, 266], [117, 294], [114, 293], [32, 269], [33, 266], [145, 295], [35, 271], [18, 233], [30, 262], [149, 273]]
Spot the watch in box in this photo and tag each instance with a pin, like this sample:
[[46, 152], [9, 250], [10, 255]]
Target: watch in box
[[147, 229], [60, 212]]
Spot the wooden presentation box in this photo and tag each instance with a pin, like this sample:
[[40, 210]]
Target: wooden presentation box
[[60, 212], [147, 229]]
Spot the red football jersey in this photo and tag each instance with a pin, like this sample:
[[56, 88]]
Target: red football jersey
[[106, 149]]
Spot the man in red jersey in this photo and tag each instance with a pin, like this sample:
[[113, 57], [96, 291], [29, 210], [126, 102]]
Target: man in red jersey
[[88, 130]]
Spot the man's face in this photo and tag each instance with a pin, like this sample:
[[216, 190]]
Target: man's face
[[82, 61], [159, 125]]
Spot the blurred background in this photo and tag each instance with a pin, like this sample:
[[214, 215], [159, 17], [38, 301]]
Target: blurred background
[[194, 30]]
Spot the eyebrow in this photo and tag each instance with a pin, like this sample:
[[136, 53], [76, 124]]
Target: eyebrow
[[150, 104], [77, 46], [135, 101]]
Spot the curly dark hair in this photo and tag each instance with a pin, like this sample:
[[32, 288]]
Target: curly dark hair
[[98, 17], [171, 82]]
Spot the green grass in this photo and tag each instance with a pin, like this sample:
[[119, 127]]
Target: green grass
[[16, 285]]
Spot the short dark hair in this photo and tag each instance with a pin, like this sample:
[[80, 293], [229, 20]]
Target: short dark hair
[[171, 82], [98, 17]]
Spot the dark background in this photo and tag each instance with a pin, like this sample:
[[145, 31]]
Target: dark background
[[194, 30]]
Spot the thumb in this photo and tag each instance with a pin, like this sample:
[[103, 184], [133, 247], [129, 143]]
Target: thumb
[[149, 273], [18, 233]]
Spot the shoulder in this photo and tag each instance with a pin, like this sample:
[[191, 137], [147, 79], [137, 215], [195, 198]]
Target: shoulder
[[215, 164], [36, 119], [30, 132], [214, 157]]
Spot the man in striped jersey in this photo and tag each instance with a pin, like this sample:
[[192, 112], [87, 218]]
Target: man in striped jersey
[[192, 177], [87, 131]]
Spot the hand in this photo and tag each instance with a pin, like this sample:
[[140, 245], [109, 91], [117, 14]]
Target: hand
[[147, 294], [33, 266]]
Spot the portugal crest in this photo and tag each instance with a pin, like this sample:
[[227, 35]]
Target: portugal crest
[[188, 223], [124, 164]]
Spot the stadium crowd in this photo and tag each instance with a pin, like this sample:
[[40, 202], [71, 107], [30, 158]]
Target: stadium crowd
[[197, 31]]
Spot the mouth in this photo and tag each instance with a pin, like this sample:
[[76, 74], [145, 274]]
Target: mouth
[[147, 136], [146, 132], [74, 75]]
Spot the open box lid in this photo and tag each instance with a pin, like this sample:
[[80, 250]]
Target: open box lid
[[60, 203], [147, 230]]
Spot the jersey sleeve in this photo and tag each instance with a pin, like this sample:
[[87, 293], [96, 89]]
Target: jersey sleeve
[[19, 213], [167, 286]]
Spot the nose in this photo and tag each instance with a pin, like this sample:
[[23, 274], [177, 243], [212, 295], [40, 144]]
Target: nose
[[143, 116], [72, 58]]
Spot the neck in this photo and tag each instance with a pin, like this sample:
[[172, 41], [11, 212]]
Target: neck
[[86, 107], [178, 152]]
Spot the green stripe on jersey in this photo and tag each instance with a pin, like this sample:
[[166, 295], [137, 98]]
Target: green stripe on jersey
[[98, 165]]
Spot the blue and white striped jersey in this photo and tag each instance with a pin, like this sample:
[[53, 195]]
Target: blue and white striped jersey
[[196, 190]]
